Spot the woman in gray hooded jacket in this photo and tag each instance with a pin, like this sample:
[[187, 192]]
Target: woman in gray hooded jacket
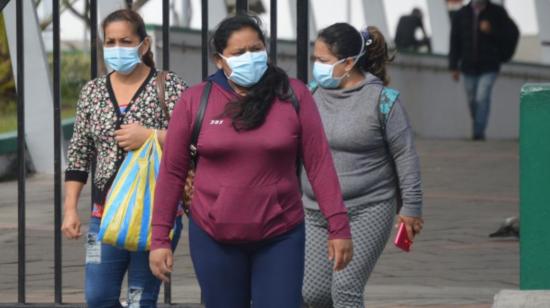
[[374, 154]]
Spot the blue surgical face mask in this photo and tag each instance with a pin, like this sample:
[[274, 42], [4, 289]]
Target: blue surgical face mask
[[323, 72], [122, 59], [247, 69]]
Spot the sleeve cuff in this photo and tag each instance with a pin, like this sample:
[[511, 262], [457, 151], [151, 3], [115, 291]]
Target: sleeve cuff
[[160, 237], [76, 175], [411, 211], [338, 227]]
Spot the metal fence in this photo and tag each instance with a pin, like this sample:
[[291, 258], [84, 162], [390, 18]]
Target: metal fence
[[302, 47]]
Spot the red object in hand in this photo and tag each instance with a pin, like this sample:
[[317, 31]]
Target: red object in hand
[[402, 240]]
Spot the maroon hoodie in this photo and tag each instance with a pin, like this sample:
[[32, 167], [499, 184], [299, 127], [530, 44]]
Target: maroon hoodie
[[246, 188]]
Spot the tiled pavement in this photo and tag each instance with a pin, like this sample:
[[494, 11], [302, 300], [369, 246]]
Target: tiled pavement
[[470, 188]]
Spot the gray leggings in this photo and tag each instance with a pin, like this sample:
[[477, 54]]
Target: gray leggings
[[371, 226]]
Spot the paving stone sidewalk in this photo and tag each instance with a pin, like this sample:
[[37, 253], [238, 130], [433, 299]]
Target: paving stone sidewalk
[[470, 188]]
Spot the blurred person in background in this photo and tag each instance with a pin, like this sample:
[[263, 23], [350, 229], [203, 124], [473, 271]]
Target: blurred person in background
[[483, 37], [406, 35]]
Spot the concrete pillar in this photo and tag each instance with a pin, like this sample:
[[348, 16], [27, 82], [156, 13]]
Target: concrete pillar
[[105, 8], [217, 10], [312, 23], [534, 197], [186, 14], [542, 7], [38, 86], [375, 14], [440, 24]]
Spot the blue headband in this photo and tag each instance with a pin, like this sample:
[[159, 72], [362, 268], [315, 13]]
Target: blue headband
[[365, 35]]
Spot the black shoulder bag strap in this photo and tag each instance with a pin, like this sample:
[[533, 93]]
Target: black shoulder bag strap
[[296, 105], [198, 123], [294, 100]]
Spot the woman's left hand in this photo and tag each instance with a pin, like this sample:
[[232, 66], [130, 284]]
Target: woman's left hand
[[132, 136], [413, 225]]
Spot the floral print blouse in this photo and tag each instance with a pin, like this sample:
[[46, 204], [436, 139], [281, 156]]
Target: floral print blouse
[[98, 116]]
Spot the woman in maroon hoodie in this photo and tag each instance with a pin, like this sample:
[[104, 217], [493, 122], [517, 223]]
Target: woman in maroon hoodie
[[246, 229]]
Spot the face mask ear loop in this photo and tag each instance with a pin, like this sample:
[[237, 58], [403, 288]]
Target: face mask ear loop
[[361, 53], [225, 59], [139, 53]]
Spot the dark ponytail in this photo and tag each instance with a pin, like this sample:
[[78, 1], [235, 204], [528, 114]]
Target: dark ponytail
[[137, 23], [345, 41], [250, 111]]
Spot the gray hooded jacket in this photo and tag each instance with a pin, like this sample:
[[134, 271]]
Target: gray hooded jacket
[[365, 168]]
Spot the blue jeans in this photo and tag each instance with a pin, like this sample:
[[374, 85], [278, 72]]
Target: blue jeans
[[265, 274], [105, 269], [478, 91]]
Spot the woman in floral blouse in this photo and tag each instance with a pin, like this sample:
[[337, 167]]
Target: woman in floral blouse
[[115, 114]]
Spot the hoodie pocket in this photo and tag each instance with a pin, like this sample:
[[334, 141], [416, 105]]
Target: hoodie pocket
[[243, 214]]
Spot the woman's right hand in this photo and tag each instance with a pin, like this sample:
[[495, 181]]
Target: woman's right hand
[[161, 261], [71, 225]]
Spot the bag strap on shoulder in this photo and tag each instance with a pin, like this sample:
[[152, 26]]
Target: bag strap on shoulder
[[198, 122], [296, 105], [293, 99], [386, 100], [313, 86], [161, 88]]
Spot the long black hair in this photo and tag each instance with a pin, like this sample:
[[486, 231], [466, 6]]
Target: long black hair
[[135, 20], [249, 111], [345, 41]]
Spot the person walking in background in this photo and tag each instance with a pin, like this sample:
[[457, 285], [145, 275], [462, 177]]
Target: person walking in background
[[246, 223], [406, 33], [115, 114], [482, 38], [375, 158]]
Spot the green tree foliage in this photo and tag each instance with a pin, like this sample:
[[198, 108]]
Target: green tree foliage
[[7, 83], [75, 72]]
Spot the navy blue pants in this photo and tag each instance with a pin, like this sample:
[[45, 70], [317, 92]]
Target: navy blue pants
[[105, 269], [266, 274]]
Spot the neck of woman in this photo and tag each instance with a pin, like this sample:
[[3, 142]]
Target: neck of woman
[[354, 77], [241, 91], [137, 75]]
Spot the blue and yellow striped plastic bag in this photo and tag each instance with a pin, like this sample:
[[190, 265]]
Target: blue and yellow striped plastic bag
[[126, 221]]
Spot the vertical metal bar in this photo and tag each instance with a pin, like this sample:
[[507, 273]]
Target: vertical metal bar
[[302, 39], [204, 38], [57, 151], [93, 69], [93, 37], [21, 163], [129, 4], [273, 35], [165, 35], [242, 6], [166, 67]]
